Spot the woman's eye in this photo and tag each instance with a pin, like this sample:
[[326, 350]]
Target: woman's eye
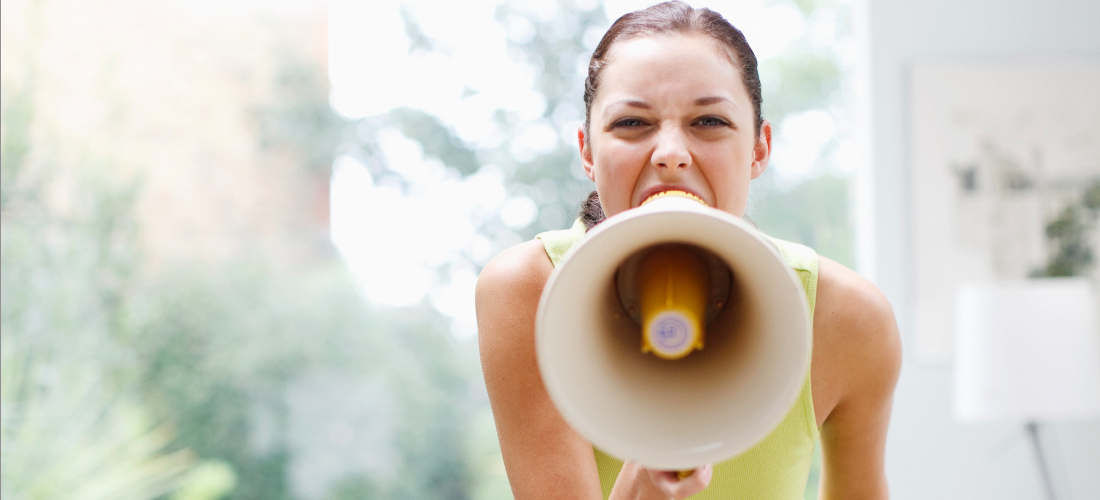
[[712, 121], [629, 122]]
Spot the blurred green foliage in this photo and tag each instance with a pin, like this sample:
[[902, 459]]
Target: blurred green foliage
[[222, 342], [209, 480], [801, 80], [436, 138], [1070, 236], [298, 119], [558, 51], [15, 119], [813, 213], [71, 418], [124, 384]]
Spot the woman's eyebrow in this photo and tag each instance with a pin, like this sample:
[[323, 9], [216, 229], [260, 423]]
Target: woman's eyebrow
[[702, 101], [707, 101], [632, 103]]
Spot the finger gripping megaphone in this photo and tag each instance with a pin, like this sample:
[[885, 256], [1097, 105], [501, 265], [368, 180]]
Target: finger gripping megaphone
[[673, 335]]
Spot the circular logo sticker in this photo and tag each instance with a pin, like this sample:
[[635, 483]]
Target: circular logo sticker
[[672, 333]]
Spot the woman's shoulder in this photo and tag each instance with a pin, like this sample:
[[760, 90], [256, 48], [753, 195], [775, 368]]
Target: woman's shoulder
[[854, 312], [846, 296], [510, 286], [523, 265]]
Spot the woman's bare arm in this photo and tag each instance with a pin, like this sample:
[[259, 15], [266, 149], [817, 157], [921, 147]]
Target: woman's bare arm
[[544, 457], [858, 336]]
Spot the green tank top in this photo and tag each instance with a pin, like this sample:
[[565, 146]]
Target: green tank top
[[777, 467]]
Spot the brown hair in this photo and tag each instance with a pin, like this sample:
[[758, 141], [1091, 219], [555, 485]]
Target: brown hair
[[670, 17]]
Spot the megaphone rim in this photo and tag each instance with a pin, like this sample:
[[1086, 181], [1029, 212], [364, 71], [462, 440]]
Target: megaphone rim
[[671, 207]]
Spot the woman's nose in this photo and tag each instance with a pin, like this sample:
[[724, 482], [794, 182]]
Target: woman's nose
[[671, 150]]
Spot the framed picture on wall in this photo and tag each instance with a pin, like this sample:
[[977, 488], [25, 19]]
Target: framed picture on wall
[[998, 150]]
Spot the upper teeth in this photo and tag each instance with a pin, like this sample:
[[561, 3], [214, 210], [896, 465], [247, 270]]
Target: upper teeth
[[674, 192]]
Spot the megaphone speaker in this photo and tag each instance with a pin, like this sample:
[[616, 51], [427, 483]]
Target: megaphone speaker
[[673, 335]]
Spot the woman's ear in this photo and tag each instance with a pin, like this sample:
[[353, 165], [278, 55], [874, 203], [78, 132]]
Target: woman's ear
[[586, 153], [763, 150]]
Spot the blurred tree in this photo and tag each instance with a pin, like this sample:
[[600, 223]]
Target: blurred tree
[[814, 213], [560, 53], [72, 424], [552, 180], [209, 480], [808, 76], [800, 80], [222, 341], [436, 138], [297, 120], [158, 371], [70, 434], [15, 118]]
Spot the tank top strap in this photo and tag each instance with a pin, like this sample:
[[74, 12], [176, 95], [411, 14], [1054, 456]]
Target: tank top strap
[[804, 261], [557, 243]]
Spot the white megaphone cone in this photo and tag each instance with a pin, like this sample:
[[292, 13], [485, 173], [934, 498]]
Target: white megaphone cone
[[691, 402]]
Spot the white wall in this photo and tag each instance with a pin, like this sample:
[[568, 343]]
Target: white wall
[[929, 455]]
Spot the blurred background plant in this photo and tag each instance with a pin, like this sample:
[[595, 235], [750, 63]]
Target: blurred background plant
[[176, 321], [1070, 236]]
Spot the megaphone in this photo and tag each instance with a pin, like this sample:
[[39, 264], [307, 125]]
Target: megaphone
[[705, 403]]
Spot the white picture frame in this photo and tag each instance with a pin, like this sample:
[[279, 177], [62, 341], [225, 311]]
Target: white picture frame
[[997, 149]]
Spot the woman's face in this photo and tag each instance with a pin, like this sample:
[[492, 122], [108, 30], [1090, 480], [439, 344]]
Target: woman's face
[[671, 112]]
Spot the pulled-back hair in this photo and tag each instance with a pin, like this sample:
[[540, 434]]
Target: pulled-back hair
[[680, 18], [674, 17]]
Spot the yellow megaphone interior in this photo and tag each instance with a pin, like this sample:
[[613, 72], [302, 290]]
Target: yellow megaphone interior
[[672, 291]]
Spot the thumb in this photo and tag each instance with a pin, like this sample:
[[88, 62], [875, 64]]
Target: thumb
[[670, 483]]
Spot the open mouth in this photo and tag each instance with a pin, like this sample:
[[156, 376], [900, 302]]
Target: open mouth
[[673, 192]]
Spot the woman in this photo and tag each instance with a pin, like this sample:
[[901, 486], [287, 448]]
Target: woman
[[672, 102]]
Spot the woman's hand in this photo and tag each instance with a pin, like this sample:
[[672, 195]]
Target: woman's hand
[[639, 483], [670, 483]]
